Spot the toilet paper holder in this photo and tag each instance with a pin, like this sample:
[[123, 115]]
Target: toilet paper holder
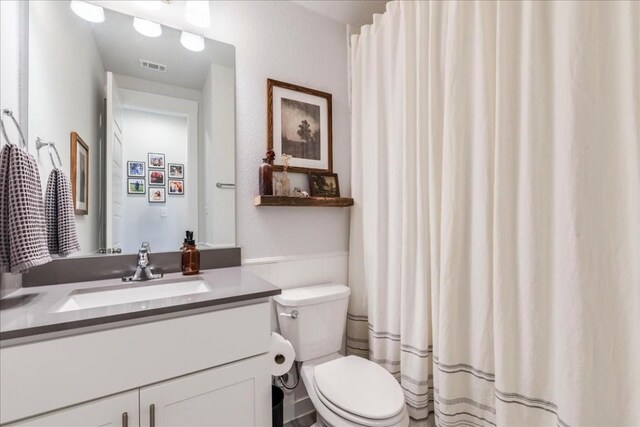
[[293, 314]]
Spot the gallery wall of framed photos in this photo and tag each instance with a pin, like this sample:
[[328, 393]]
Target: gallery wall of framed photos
[[156, 178]]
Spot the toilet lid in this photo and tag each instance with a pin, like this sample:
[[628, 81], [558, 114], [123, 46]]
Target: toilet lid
[[360, 387]]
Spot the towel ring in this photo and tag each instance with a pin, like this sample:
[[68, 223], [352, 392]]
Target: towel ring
[[9, 113], [52, 147]]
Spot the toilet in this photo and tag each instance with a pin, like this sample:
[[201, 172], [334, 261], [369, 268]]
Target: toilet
[[346, 391]]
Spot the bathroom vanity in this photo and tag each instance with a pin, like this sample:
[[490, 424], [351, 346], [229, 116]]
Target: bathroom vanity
[[169, 352]]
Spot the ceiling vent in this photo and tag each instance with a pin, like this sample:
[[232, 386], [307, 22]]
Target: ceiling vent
[[153, 66]]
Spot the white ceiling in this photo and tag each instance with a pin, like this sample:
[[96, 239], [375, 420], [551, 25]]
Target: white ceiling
[[121, 48], [352, 12]]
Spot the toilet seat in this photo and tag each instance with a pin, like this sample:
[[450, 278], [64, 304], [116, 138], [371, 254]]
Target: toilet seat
[[358, 420], [359, 391]]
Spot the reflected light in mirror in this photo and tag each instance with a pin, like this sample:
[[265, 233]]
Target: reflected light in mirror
[[149, 4], [147, 28], [192, 42], [86, 11], [197, 13]]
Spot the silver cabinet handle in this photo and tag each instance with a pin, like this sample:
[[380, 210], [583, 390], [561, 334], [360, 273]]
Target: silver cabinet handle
[[125, 419], [223, 185], [152, 415]]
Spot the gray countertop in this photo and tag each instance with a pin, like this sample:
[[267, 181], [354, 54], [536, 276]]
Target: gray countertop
[[29, 312]]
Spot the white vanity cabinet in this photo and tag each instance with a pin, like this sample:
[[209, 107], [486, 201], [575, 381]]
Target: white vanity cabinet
[[116, 411], [238, 394], [208, 368]]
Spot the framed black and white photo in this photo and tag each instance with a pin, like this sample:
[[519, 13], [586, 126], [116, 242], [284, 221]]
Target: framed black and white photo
[[79, 174], [324, 185], [135, 169], [156, 160], [157, 195], [156, 177], [136, 186], [176, 187], [299, 124], [176, 170]]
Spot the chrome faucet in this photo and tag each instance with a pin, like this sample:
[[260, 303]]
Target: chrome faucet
[[143, 270]]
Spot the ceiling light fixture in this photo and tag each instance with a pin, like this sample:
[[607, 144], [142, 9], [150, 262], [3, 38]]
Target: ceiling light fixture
[[147, 28], [197, 13], [192, 42], [86, 11]]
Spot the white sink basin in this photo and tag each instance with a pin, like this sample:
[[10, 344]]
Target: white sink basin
[[123, 294]]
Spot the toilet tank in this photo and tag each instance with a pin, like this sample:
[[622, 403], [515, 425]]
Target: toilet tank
[[318, 328]]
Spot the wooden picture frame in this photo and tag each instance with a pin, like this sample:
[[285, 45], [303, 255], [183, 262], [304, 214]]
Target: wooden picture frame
[[324, 185], [79, 174], [299, 123]]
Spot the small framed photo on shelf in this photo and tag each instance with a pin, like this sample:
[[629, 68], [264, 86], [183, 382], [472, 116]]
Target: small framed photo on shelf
[[176, 170], [136, 186], [156, 160], [156, 177], [157, 195], [135, 169], [176, 187], [324, 185]]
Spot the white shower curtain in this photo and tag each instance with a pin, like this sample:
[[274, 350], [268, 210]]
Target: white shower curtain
[[495, 237]]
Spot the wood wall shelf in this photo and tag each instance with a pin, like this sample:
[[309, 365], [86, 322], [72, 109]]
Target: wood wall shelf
[[339, 202]]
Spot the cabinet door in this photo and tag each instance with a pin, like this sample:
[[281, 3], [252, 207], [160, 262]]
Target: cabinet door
[[116, 411], [237, 394]]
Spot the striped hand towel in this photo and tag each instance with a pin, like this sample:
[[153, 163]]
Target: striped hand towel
[[62, 237], [23, 233]]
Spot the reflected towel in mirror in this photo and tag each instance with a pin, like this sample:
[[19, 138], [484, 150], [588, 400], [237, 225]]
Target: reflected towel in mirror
[[62, 236]]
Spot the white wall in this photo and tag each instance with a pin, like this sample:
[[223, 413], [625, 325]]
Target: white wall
[[65, 95], [218, 157], [161, 224]]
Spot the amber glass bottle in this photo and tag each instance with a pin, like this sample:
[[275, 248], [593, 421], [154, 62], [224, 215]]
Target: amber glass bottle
[[190, 255]]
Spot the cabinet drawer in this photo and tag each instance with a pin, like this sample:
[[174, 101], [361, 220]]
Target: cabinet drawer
[[89, 366], [116, 411]]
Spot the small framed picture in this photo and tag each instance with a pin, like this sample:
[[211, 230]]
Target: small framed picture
[[324, 185], [135, 169], [157, 195], [79, 174], [176, 170], [156, 177], [176, 187], [156, 160], [136, 186]]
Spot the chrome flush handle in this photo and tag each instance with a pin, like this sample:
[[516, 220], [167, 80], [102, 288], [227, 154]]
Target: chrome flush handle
[[293, 314]]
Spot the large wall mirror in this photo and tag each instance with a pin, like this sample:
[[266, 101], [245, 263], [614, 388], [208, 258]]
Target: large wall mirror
[[158, 124]]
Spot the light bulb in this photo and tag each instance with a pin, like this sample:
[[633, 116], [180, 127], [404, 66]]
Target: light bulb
[[87, 11], [197, 13], [192, 42], [147, 28]]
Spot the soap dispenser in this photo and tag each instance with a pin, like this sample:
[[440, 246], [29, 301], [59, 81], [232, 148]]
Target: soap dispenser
[[190, 255]]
